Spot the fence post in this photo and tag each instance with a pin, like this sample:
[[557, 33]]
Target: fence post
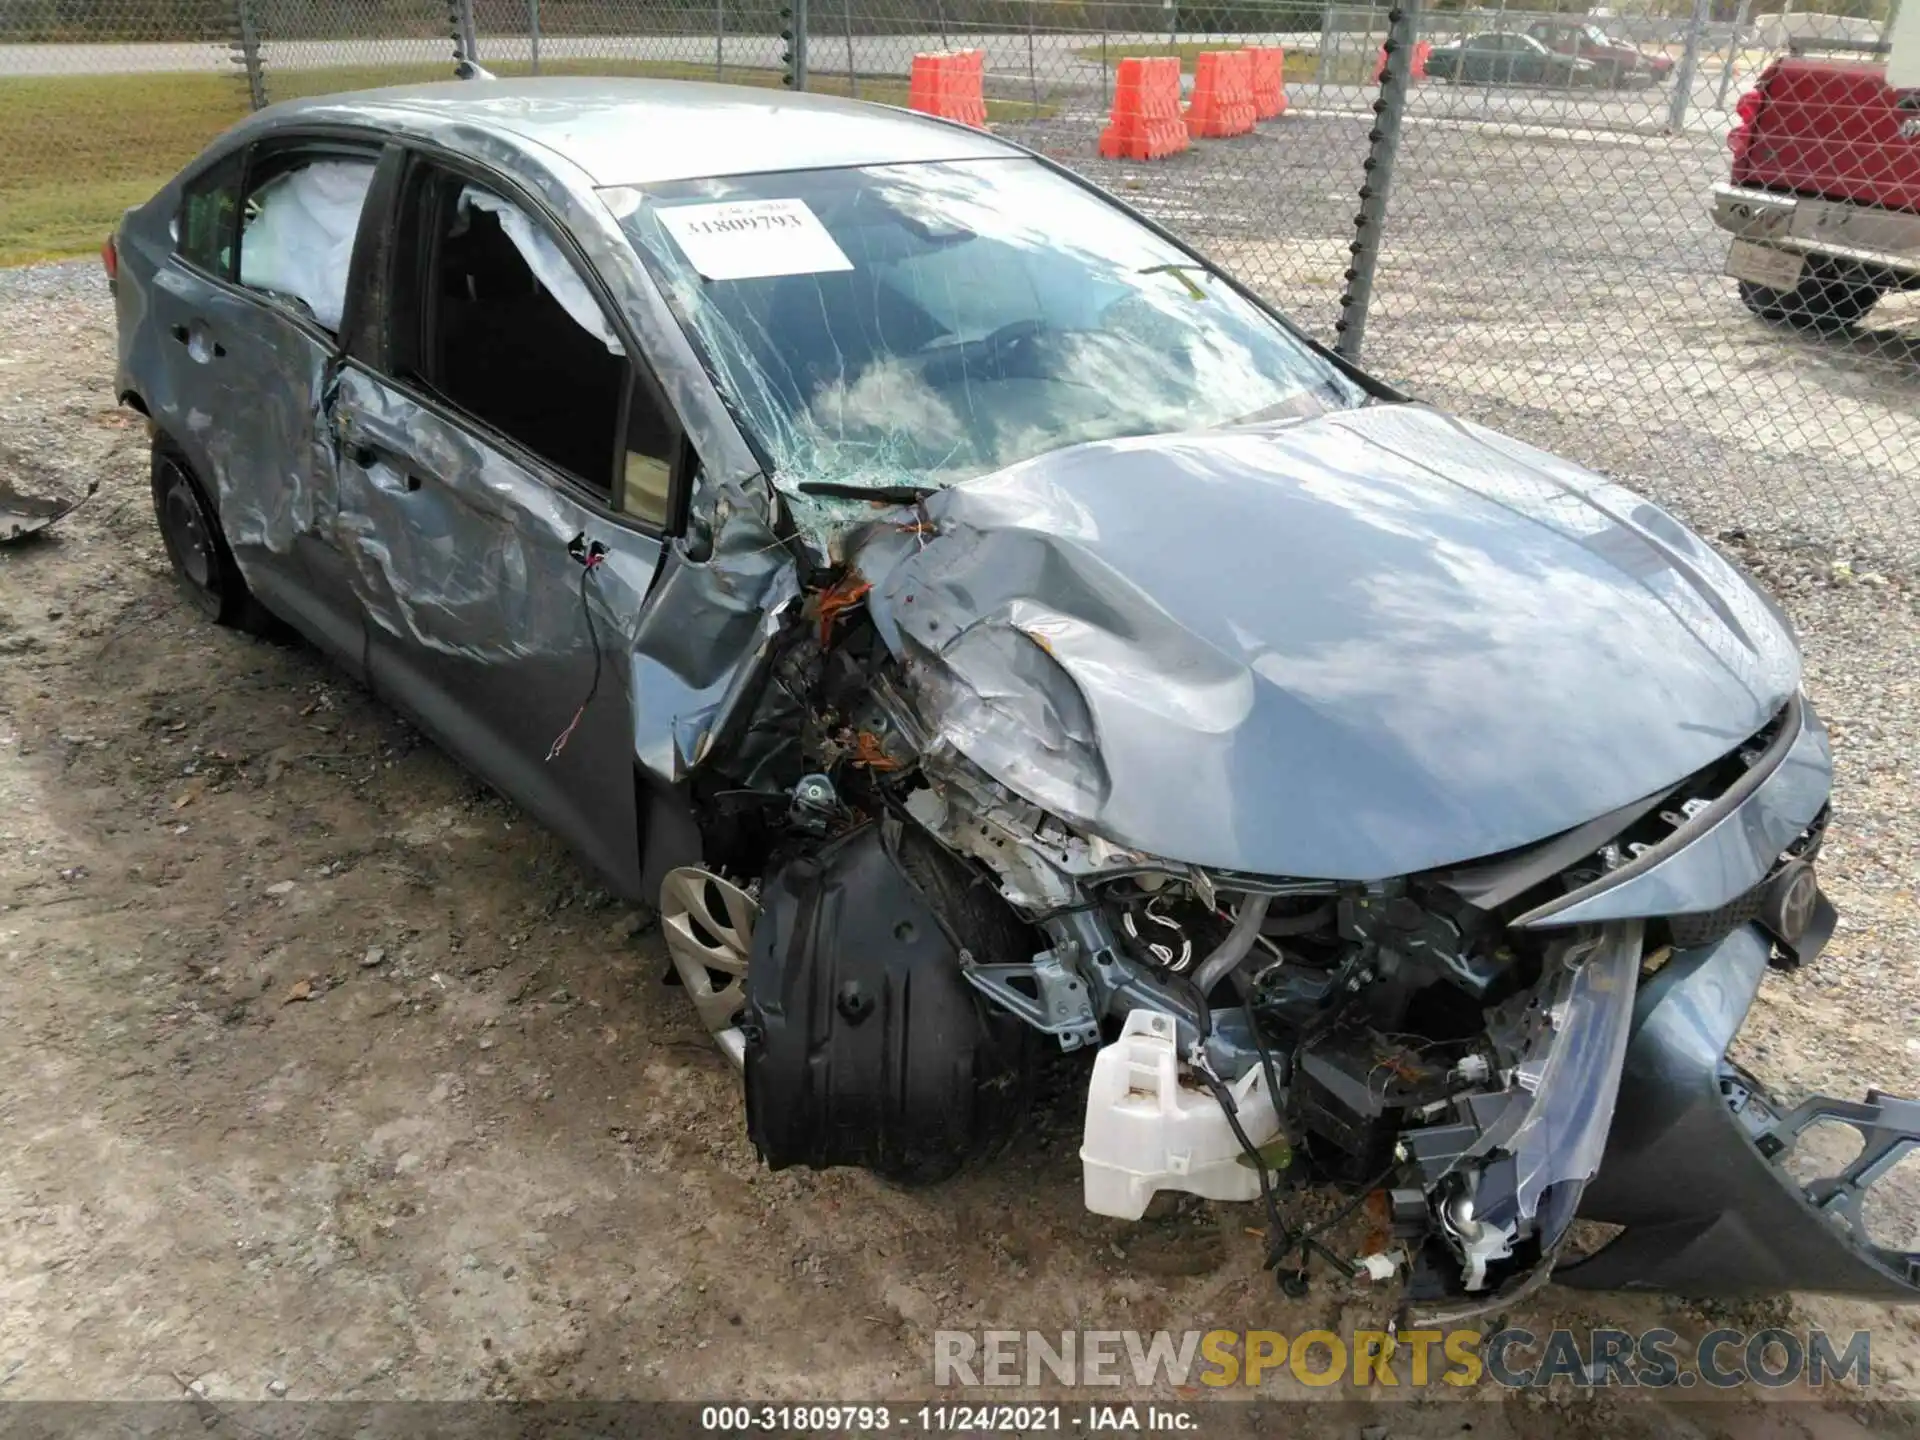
[[1733, 51], [1689, 61], [795, 34], [533, 34], [460, 16], [1033, 74], [846, 24], [1323, 69], [1486, 91], [719, 39], [1403, 27], [247, 54]]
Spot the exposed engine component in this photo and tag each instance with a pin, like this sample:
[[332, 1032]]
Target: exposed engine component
[[1153, 934], [816, 806], [1147, 1130]]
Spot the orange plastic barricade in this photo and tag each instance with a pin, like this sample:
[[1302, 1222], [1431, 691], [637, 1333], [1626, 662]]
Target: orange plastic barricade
[[1222, 94], [950, 84], [1269, 65], [1421, 50], [1146, 123]]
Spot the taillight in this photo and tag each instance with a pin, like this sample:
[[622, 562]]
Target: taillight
[[1740, 137], [110, 258], [1747, 112]]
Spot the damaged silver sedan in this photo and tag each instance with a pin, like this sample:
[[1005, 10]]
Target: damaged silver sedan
[[980, 625]]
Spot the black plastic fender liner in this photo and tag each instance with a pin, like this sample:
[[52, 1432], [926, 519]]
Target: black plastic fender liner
[[865, 1043]]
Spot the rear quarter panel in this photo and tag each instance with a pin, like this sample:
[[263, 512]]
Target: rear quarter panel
[[141, 252], [150, 367]]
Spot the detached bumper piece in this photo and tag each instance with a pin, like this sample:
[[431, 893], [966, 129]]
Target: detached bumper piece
[[1694, 1168], [24, 515]]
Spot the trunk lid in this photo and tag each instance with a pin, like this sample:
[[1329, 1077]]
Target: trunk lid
[[1832, 128]]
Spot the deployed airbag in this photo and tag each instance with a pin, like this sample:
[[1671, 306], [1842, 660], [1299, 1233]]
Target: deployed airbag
[[300, 242], [549, 266]]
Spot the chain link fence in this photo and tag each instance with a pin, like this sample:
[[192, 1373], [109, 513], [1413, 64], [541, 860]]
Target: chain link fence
[[97, 99], [1514, 218]]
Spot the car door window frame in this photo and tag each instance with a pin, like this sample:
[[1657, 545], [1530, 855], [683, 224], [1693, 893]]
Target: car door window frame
[[321, 141], [235, 157], [271, 160], [372, 345]]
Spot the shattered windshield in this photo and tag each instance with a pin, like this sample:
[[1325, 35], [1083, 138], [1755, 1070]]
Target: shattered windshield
[[917, 325]]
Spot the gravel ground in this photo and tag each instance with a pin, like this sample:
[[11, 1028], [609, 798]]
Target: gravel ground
[[322, 1069]]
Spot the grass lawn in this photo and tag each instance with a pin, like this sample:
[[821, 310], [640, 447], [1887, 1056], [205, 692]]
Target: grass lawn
[[80, 149], [1302, 65]]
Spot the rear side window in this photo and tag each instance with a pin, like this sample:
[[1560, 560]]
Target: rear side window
[[208, 223]]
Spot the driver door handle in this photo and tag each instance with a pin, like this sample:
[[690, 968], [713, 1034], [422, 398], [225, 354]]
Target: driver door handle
[[368, 457], [199, 341]]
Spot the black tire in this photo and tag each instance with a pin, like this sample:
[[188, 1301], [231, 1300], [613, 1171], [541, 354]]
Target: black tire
[[202, 562], [1829, 297]]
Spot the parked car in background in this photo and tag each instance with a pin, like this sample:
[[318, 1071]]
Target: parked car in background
[[1617, 63], [1506, 57], [1823, 202], [981, 624]]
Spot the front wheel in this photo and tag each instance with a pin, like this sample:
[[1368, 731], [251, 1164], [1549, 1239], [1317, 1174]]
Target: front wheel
[[202, 561], [1828, 297]]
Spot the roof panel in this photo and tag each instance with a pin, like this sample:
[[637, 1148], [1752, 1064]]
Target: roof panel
[[625, 131]]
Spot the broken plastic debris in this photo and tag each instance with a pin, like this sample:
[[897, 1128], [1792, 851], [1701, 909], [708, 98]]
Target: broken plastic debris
[[1377, 1268], [24, 515]]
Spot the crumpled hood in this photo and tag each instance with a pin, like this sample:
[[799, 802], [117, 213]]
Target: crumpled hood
[[1352, 647]]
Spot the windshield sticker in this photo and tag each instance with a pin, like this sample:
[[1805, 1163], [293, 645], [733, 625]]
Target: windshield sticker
[[750, 239]]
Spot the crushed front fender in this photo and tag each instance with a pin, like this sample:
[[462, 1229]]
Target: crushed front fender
[[1694, 1166]]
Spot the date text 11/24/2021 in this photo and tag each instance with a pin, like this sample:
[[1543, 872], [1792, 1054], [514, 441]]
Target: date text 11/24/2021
[[946, 1419]]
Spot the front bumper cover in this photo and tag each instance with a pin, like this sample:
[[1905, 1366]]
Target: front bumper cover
[[1692, 1168]]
